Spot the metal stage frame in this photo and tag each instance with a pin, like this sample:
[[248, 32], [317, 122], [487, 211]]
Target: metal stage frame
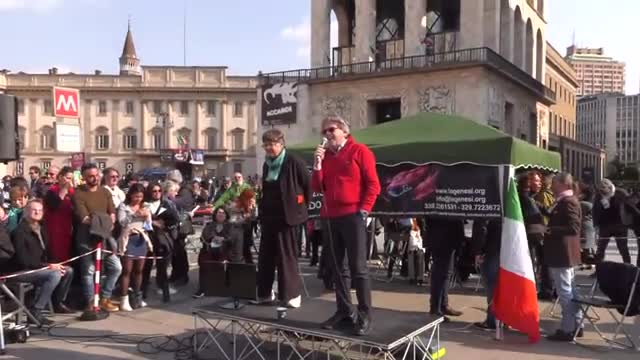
[[260, 339]]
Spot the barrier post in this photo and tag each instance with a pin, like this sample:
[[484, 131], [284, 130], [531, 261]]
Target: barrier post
[[98, 265]]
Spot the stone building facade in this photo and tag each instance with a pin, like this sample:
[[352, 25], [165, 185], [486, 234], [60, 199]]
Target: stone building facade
[[144, 117], [482, 59]]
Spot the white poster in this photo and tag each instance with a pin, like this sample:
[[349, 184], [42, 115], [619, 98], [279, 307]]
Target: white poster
[[68, 138]]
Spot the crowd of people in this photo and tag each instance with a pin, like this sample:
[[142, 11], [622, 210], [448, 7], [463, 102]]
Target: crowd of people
[[51, 219], [47, 220]]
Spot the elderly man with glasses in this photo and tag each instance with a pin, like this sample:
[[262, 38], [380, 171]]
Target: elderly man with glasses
[[345, 172]]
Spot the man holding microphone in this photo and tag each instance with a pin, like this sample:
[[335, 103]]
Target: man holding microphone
[[345, 172]]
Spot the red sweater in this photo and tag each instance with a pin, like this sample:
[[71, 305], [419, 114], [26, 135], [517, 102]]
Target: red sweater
[[348, 180]]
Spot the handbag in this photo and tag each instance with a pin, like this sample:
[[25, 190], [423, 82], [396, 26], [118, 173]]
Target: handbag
[[185, 226]]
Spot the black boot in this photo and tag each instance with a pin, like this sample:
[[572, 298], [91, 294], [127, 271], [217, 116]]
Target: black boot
[[135, 300], [166, 295]]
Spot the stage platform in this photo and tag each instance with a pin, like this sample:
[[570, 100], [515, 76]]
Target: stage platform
[[256, 332]]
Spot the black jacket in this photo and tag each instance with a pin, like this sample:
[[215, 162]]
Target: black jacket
[[29, 252], [295, 187], [486, 238]]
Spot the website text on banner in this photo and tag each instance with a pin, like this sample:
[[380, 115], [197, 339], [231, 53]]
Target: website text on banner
[[462, 191]]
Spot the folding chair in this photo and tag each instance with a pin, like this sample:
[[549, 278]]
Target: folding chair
[[627, 308], [592, 288], [395, 246]]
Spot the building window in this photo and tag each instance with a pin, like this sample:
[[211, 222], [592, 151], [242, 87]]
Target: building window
[[101, 164], [102, 138], [129, 107], [47, 138], [211, 135], [102, 107], [237, 138], [157, 107], [237, 109], [22, 137], [237, 167], [45, 165], [20, 106], [48, 107], [157, 138], [211, 108], [184, 107], [129, 139]]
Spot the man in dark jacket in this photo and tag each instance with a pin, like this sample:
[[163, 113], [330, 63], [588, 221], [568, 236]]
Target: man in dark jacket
[[485, 244], [562, 253], [282, 212], [30, 244]]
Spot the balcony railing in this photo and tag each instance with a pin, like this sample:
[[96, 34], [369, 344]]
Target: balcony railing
[[438, 61]]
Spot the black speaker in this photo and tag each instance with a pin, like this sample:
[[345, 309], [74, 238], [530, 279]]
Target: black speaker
[[9, 138]]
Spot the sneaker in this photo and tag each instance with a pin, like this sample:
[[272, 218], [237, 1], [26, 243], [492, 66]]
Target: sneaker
[[561, 336], [295, 303], [198, 295], [264, 300], [108, 305]]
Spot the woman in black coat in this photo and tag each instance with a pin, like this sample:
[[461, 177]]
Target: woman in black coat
[[282, 211], [165, 220]]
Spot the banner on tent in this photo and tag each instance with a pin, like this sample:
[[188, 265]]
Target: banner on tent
[[463, 191]]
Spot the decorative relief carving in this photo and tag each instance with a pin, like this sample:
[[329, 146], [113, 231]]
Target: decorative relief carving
[[337, 105], [496, 107], [438, 99]]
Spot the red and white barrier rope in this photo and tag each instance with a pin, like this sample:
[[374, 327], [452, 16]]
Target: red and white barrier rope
[[16, 274], [136, 257]]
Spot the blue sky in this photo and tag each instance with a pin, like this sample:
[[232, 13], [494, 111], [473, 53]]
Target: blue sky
[[246, 35]]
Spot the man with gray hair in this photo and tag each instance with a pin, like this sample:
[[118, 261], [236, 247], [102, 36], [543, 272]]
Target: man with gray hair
[[562, 254], [345, 172]]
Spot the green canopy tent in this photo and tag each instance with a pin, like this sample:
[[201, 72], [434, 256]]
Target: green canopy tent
[[445, 139]]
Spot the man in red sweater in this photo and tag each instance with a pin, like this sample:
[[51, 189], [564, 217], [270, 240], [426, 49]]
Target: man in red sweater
[[345, 172]]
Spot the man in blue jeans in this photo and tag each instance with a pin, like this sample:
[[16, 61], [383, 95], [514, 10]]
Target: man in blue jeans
[[486, 249], [90, 202], [562, 253]]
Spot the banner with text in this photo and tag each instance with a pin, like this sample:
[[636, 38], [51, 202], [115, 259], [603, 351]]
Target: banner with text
[[463, 191]]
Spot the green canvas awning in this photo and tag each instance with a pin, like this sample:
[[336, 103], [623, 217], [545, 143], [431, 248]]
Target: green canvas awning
[[431, 137]]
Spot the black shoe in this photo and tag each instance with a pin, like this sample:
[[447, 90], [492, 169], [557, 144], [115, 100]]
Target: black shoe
[[440, 315], [40, 317], [339, 321], [451, 312], [561, 336], [363, 325], [313, 263], [485, 325], [62, 309], [199, 294], [580, 333]]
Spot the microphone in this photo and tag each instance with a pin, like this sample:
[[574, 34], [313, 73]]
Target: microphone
[[318, 159]]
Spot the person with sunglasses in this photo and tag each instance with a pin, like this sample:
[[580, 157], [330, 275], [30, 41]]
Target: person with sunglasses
[[345, 172]]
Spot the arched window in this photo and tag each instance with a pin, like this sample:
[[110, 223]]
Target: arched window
[[539, 56], [211, 136], [101, 138], [518, 38], [129, 138], [47, 138], [529, 49], [237, 139]]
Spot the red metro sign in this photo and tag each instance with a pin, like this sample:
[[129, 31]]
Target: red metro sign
[[66, 102]]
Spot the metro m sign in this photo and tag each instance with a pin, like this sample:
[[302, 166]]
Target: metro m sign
[[66, 102]]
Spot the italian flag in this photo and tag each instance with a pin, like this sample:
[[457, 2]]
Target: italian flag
[[515, 300]]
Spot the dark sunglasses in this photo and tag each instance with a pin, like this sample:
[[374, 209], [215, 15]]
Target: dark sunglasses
[[329, 130], [156, 191]]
